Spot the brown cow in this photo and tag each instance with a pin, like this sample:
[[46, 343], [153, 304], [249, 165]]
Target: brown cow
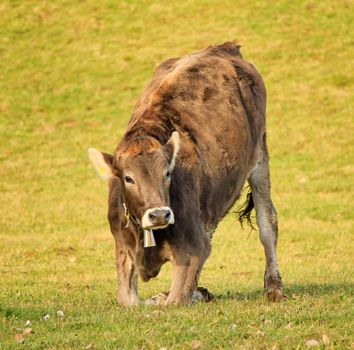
[[196, 135]]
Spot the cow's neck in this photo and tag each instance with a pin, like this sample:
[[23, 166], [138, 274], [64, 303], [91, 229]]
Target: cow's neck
[[156, 122]]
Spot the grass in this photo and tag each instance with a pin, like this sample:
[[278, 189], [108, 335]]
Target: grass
[[70, 73]]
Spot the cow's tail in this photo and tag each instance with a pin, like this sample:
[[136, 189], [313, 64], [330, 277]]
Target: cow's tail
[[245, 211]]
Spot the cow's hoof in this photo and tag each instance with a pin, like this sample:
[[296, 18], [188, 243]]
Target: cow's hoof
[[159, 299], [202, 294], [199, 295], [275, 294]]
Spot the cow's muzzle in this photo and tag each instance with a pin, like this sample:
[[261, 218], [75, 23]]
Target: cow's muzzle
[[157, 218]]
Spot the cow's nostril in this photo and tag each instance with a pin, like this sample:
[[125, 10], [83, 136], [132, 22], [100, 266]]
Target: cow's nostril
[[156, 218], [159, 214], [152, 215]]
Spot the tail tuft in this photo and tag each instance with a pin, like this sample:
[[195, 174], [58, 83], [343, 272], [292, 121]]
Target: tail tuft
[[245, 211]]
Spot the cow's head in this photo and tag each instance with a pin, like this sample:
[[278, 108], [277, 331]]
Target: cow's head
[[144, 168]]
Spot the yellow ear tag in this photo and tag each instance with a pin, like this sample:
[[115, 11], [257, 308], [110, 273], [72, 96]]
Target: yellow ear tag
[[102, 169], [126, 215]]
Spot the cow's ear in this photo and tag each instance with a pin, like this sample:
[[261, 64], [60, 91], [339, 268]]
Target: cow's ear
[[172, 148], [102, 162]]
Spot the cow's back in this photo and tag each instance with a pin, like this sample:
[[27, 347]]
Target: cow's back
[[216, 100]]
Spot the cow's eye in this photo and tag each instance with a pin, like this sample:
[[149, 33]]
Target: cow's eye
[[168, 176], [128, 180]]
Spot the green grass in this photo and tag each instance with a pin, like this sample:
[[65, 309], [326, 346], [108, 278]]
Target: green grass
[[70, 73]]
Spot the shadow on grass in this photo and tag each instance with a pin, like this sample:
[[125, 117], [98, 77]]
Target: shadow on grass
[[294, 291]]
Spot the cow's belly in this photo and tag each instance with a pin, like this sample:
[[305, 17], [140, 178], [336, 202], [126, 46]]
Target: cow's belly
[[216, 200], [227, 164], [221, 154]]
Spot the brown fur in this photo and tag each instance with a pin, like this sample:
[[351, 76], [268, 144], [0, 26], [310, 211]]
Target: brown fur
[[216, 101]]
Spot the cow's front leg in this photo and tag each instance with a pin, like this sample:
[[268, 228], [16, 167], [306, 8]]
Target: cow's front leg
[[127, 279], [186, 272], [185, 276]]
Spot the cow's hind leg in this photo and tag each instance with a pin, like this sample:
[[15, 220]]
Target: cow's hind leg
[[267, 222]]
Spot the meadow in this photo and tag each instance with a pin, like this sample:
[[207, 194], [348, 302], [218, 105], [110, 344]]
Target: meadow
[[70, 73]]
